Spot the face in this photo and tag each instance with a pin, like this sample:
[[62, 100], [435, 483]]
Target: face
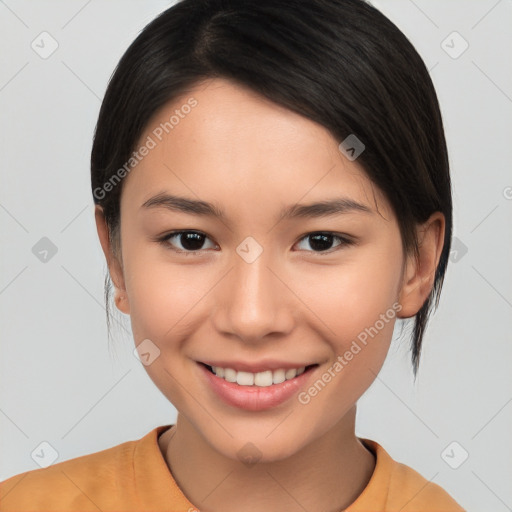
[[254, 291]]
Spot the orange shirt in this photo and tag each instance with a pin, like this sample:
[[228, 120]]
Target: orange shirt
[[134, 476]]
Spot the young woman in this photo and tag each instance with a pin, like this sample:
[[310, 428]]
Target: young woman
[[272, 193]]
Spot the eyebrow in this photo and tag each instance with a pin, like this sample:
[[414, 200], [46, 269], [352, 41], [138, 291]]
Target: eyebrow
[[330, 207]]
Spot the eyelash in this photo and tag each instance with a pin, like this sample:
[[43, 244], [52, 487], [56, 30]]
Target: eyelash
[[344, 241]]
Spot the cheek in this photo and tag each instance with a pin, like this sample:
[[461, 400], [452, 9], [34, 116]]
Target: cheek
[[352, 298], [363, 324], [161, 294]]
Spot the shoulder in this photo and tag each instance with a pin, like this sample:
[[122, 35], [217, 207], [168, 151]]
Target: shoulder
[[83, 482], [414, 493], [400, 487]]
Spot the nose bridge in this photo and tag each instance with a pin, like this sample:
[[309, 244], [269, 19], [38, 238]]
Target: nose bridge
[[252, 304]]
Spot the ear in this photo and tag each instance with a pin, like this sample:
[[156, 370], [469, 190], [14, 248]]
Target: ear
[[114, 262], [419, 273]]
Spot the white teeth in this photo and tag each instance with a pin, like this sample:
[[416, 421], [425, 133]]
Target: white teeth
[[261, 379], [278, 376], [245, 378], [229, 374], [291, 373]]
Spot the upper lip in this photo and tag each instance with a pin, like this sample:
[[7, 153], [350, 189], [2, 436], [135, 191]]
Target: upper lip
[[256, 367]]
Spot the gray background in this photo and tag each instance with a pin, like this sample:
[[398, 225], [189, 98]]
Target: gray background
[[63, 383]]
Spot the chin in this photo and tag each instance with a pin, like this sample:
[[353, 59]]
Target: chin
[[259, 448]]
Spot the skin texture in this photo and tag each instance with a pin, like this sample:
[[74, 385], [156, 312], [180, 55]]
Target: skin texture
[[294, 303]]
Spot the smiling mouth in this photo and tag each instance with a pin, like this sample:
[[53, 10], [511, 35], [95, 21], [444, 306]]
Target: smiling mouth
[[260, 379]]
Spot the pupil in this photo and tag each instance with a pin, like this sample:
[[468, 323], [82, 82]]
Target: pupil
[[192, 241], [320, 241]]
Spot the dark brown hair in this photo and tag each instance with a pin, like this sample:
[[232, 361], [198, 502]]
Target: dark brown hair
[[340, 63]]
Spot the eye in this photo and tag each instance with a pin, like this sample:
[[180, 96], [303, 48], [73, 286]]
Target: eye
[[322, 241], [187, 241], [190, 242]]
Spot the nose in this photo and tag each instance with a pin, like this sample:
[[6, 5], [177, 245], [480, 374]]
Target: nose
[[253, 301]]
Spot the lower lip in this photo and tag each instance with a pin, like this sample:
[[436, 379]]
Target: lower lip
[[254, 398]]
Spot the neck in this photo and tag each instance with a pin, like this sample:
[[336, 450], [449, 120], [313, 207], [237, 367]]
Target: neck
[[328, 474]]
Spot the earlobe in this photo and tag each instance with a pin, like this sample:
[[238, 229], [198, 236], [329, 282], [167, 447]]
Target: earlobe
[[121, 301], [114, 266], [420, 270]]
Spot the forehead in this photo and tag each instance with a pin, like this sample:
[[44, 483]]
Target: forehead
[[225, 143]]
